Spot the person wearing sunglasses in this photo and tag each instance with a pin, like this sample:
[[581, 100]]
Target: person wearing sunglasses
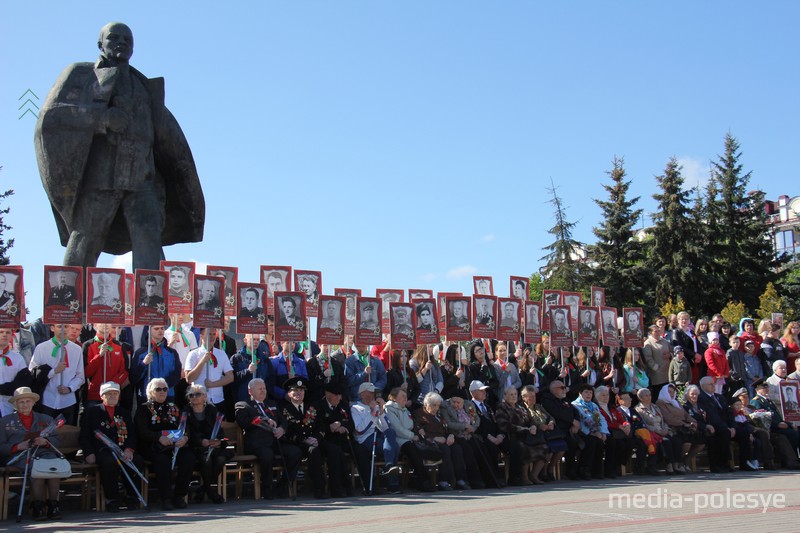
[[201, 417], [154, 419]]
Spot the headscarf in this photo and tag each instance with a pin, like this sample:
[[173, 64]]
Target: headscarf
[[664, 395]]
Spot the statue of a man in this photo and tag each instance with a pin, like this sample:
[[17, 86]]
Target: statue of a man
[[115, 164]]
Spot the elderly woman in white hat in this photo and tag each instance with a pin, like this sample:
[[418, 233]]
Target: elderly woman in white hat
[[115, 422], [15, 436]]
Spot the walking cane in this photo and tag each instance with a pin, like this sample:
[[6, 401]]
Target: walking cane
[[132, 484], [24, 484], [353, 455], [372, 465], [289, 478], [492, 469]]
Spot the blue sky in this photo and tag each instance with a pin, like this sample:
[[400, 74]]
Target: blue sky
[[410, 144]]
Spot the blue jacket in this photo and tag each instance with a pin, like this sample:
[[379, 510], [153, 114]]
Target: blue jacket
[[166, 365], [282, 372], [354, 371]]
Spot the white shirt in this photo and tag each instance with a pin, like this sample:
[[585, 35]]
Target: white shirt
[[183, 351], [71, 377], [365, 423], [7, 375], [215, 394]]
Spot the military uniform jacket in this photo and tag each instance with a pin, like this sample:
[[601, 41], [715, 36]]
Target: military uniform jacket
[[255, 436]]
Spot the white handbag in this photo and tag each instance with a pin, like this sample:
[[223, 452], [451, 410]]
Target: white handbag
[[49, 468]]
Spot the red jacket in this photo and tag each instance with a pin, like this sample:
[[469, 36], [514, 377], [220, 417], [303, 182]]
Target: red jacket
[[717, 362], [115, 368]]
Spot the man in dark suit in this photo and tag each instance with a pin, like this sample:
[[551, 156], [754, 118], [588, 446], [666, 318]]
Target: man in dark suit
[[494, 440], [335, 425], [264, 426], [115, 423], [720, 419], [62, 294]]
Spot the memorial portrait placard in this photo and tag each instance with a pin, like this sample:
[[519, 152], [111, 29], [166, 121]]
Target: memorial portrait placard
[[560, 326], [483, 285], [790, 399], [426, 322], [290, 316], [151, 308], [230, 303], [63, 295], [368, 322], [508, 327], [207, 312], [350, 308], [330, 323], [310, 283], [549, 299], [252, 313], [598, 297], [632, 327], [105, 296], [12, 301], [484, 316], [459, 322], [418, 294], [518, 288], [276, 278], [403, 330], [441, 298], [608, 316], [588, 326], [573, 300], [387, 297], [533, 322], [180, 275]]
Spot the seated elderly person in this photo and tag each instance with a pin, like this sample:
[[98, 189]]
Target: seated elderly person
[[623, 421], [594, 432], [669, 445], [154, 419], [682, 426], [264, 428], [336, 427], [721, 418], [618, 442], [19, 437], [744, 426], [567, 422], [537, 443], [430, 425], [201, 422], [777, 425], [403, 424], [464, 421], [761, 432], [114, 422], [373, 433]]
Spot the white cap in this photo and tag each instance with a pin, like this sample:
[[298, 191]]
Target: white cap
[[107, 386]]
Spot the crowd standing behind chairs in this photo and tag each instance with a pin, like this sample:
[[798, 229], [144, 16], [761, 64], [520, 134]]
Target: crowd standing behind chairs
[[468, 409]]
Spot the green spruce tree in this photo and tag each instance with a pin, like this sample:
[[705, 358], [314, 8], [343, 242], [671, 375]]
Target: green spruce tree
[[746, 253], [618, 256], [670, 260], [5, 243], [564, 269]]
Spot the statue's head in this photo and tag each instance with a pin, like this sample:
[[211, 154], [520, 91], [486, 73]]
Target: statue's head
[[116, 42]]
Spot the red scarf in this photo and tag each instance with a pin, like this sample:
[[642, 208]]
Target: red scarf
[[27, 420], [213, 359], [156, 347]]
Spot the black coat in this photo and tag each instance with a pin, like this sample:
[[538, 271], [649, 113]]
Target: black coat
[[256, 437], [96, 417], [719, 416]]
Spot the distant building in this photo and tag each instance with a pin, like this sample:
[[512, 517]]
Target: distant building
[[784, 216]]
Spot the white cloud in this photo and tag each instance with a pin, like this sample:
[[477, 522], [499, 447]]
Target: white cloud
[[489, 237], [695, 172], [461, 271], [124, 261], [430, 276]]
